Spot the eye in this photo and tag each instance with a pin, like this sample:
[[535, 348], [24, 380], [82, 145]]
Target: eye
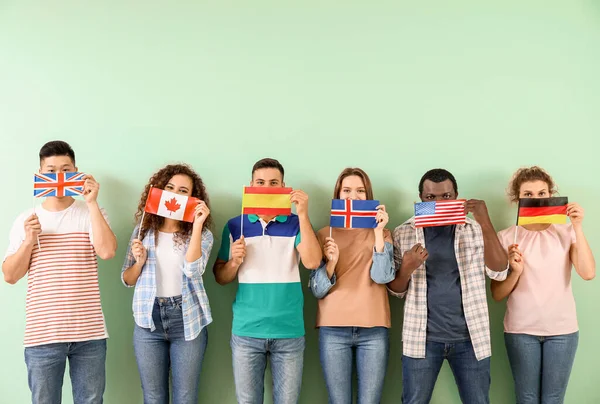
[[430, 197], [362, 191], [446, 196], [543, 193], [527, 194]]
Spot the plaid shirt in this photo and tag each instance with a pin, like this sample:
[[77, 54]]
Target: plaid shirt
[[468, 246], [194, 301]]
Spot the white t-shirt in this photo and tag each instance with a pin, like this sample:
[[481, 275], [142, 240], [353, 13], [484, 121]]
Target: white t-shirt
[[63, 296], [169, 261]]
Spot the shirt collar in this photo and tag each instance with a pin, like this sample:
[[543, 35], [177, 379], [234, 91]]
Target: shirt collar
[[280, 218]]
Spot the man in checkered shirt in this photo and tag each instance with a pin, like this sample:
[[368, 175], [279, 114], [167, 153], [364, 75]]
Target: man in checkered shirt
[[441, 273]]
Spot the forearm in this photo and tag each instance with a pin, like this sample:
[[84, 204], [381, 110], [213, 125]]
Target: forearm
[[225, 272], [400, 283], [379, 240], [495, 255], [586, 264], [131, 274], [501, 290], [16, 266], [194, 251], [309, 247], [105, 242]]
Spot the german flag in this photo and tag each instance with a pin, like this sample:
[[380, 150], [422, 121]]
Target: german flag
[[542, 210], [266, 201]]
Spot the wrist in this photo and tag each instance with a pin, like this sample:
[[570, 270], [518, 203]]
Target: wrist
[[29, 243], [92, 203]]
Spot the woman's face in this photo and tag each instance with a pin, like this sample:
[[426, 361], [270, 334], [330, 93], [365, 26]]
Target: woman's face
[[353, 188], [180, 184], [534, 189]]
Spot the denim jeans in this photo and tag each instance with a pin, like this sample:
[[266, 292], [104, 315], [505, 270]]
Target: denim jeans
[[337, 346], [166, 348], [471, 376], [46, 370], [250, 361], [541, 366]]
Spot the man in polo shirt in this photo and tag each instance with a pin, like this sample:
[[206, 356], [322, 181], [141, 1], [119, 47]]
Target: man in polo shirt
[[268, 308]]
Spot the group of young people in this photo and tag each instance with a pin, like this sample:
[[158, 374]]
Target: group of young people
[[439, 271]]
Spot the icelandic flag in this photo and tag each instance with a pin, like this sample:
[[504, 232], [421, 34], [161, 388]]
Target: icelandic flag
[[58, 184], [353, 214]]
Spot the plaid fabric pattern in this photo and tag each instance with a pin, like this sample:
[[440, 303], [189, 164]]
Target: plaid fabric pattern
[[194, 300], [468, 245]]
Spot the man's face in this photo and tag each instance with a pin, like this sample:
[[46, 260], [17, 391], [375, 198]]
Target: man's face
[[438, 191], [57, 164], [267, 177]]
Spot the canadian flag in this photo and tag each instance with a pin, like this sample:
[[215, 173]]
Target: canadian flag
[[171, 205]]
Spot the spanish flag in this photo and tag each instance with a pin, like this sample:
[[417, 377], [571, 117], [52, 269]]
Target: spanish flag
[[266, 201], [542, 210]]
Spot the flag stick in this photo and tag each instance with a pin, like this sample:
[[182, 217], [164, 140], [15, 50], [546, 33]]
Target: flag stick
[[330, 236], [144, 214], [515, 239], [38, 236]]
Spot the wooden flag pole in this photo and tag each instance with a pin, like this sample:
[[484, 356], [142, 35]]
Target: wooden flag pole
[[144, 214]]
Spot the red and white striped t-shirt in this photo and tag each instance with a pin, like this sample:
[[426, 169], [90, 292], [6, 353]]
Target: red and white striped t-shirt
[[63, 297]]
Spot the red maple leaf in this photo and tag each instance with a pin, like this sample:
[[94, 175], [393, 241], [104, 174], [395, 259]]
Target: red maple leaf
[[172, 205]]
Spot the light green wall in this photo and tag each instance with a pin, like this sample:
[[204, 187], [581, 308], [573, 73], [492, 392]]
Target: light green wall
[[394, 87]]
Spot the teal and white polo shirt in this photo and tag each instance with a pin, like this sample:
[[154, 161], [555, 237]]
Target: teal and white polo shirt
[[269, 301]]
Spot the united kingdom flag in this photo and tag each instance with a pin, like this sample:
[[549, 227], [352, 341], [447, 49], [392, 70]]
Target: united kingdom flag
[[58, 184]]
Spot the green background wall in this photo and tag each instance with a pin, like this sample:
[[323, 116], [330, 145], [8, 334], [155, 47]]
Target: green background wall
[[395, 87]]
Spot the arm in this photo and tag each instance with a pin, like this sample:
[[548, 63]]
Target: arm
[[16, 265], [321, 282], [309, 248], [105, 242], [135, 259], [410, 261], [581, 254], [382, 268], [502, 289], [494, 254], [228, 263], [200, 245]]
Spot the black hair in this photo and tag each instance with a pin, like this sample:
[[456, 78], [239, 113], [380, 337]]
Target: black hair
[[268, 163], [438, 175], [57, 148]]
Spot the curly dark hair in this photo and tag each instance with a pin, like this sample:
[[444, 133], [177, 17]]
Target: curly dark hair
[[159, 180], [527, 174]]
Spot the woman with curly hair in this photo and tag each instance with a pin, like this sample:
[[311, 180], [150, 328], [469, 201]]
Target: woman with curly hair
[[540, 326], [170, 306]]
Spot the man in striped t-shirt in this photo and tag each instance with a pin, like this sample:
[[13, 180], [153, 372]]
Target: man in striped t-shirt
[[56, 245], [268, 308]]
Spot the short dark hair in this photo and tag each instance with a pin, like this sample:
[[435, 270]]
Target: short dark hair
[[268, 163], [57, 148], [438, 175]]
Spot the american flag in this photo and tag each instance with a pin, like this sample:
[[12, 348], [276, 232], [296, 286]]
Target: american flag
[[440, 213], [58, 184]]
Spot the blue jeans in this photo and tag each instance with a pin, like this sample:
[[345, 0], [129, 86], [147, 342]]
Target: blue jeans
[[336, 348], [541, 366], [471, 376], [249, 363], [166, 348], [46, 369]]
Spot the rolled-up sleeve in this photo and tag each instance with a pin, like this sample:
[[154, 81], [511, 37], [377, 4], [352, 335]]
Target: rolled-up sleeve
[[320, 284], [197, 268], [382, 268], [129, 258]]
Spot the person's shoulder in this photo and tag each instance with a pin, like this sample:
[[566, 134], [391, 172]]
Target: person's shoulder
[[407, 225], [505, 232], [20, 218], [233, 221]]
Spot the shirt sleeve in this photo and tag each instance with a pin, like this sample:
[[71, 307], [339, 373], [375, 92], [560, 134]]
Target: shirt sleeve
[[129, 258], [320, 284], [382, 268], [197, 268], [224, 251], [15, 237]]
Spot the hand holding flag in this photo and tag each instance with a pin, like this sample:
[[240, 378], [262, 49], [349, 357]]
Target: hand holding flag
[[300, 199], [331, 251], [575, 213], [201, 212], [238, 251], [382, 218], [90, 188], [515, 259], [139, 252], [33, 229]]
